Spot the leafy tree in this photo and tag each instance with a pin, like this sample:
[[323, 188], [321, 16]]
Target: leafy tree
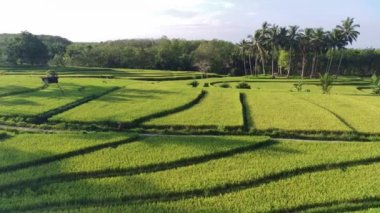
[[215, 56], [27, 49], [283, 60]]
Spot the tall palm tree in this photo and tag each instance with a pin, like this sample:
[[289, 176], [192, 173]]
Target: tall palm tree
[[255, 50], [334, 41], [273, 43], [292, 39], [250, 53], [259, 44], [304, 45], [318, 46], [349, 34], [242, 46]]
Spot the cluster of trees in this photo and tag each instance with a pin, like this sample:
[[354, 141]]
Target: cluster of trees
[[271, 49], [164, 54], [30, 49], [306, 51]]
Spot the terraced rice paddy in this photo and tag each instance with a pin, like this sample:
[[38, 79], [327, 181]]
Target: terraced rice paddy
[[134, 101], [33, 103], [14, 84], [145, 163], [357, 113], [288, 112], [236, 173], [218, 108]]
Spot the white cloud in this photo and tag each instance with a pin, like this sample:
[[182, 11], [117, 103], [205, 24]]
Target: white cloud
[[82, 20], [228, 5]]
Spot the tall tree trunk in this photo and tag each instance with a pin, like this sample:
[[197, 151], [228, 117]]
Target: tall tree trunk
[[272, 67], [245, 70], [256, 58], [313, 65], [263, 65], [250, 63], [303, 65], [331, 60], [290, 63], [262, 62], [340, 61]]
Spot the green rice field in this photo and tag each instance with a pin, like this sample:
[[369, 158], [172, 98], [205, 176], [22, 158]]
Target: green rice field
[[123, 140]]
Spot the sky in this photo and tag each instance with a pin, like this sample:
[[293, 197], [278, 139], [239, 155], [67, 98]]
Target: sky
[[231, 20]]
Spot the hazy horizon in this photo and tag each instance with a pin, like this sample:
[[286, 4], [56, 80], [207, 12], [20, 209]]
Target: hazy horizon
[[99, 20]]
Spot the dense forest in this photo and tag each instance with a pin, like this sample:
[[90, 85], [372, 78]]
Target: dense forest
[[270, 50]]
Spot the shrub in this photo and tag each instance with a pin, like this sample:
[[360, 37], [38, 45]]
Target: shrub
[[298, 86], [376, 84], [243, 85], [225, 85], [194, 83], [206, 84], [326, 82]]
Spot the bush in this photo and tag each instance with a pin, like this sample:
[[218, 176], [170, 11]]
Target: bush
[[225, 85], [206, 84], [298, 86], [194, 83], [243, 85]]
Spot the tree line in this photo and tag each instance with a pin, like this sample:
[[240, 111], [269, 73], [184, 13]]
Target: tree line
[[306, 52], [270, 50]]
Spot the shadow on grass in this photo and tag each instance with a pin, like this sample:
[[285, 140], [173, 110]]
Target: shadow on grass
[[201, 193], [150, 168], [336, 206], [58, 157]]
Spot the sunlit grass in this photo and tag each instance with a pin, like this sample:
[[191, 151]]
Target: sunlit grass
[[362, 116], [219, 108], [287, 192], [13, 84], [136, 100], [55, 95], [287, 112]]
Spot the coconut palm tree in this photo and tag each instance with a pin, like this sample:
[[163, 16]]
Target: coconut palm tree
[[334, 41], [318, 46], [259, 44], [243, 46], [292, 40], [255, 50], [250, 52], [304, 46], [349, 34], [273, 40]]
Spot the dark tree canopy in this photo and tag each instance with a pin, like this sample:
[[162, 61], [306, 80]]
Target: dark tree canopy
[[27, 49]]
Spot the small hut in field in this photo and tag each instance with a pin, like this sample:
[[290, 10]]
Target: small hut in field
[[50, 78]]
